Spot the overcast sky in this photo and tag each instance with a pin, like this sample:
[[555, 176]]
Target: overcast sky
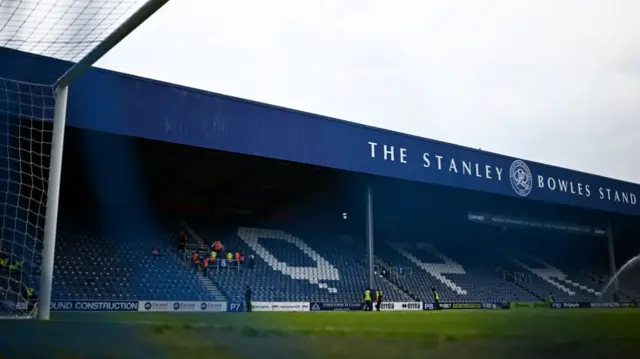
[[555, 81]]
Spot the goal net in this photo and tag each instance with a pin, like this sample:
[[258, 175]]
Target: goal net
[[26, 114], [32, 115]]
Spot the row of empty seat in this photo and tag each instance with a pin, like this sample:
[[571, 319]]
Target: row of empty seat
[[288, 268], [309, 266], [99, 268]]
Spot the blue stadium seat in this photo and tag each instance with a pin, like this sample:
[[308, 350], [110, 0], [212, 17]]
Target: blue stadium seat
[[303, 265], [290, 268], [92, 267]]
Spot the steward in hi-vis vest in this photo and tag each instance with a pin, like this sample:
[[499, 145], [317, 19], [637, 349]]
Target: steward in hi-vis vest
[[436, 298], [368, 304], [379, 297]]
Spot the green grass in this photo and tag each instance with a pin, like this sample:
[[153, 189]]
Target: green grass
[[385, 334], [586, 324]]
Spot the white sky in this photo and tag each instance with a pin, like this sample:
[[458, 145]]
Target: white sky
[[555, 81]]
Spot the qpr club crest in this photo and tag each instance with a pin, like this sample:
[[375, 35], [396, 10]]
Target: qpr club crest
[[521, 178]]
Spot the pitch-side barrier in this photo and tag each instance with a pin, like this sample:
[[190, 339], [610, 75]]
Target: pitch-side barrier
[[218, 307]]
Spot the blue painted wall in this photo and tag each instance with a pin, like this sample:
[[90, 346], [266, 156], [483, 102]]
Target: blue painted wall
[[122, 104]]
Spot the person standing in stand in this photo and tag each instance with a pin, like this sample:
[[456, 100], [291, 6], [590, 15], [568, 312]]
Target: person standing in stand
[[205, 266], [247, 299], [182, 241], [229, 259], [217, 246], [195, 257], [241, 257]]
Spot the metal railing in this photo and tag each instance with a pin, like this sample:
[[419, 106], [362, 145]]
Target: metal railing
[[214, 266]]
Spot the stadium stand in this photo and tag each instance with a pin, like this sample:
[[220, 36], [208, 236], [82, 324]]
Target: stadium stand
[[306, 265], [261, 160], [289, 268], [309, 267], [466, 262], [92, 266], [466, 282], [491, 266], [556, 264]]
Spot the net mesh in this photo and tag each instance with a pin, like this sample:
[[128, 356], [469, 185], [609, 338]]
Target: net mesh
[[61, 29], [26, 114]]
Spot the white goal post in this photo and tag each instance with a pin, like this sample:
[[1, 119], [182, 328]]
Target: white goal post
[[32, 146]]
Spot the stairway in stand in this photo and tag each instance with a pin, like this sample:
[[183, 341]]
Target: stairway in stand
[[208, 283], [212, 288]]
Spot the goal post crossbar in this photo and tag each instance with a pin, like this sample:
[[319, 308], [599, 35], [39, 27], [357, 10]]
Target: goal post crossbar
[[57, 141]]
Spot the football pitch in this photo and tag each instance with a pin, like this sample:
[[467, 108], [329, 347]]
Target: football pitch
[[541, 333]]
